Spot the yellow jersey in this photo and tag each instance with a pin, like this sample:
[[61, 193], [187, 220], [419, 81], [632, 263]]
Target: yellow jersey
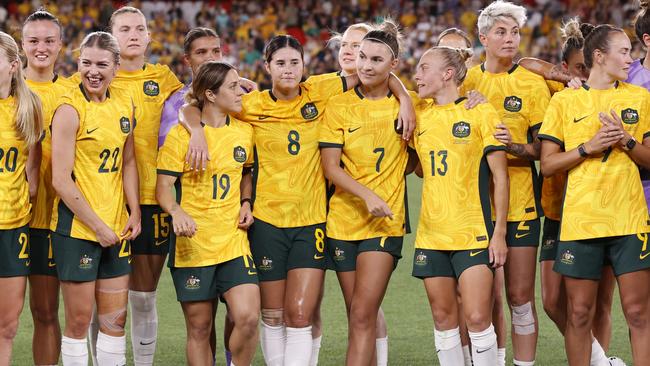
[[97, 170], [212, 197], [452, 144], [375, 155], [553, 187], [289, 185], [520, 98], [49, 92], [604, 196], [14, 190], [321, 77]]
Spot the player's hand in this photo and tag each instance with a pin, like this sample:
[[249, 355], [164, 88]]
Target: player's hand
[[247, 85], [474, 98], [613, 120], [133, 227], [498, 251], [558, 73], [606, 136], [197, 153], [575, 83], [502, 134], [245, 216], [406, 119], [377, 207], [183, 224], [105, 236]]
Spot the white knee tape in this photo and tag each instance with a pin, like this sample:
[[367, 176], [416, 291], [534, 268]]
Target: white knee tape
[[523, 320]]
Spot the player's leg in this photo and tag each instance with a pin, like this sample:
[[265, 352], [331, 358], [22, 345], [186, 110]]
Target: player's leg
[[111, 295], [198, 321], [381, 340], [244, 305], [44, 299], [553, 292], [498, 315], [317, 328], [13, 290], [602, 328], [273, 332], [464, 336]]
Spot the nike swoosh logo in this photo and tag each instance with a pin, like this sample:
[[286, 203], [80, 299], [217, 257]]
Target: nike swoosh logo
[[160, 242], [27, 263], [91, 131], [517, 236], [130, 259], [146, 344], [316, 256], [251, 273], [350, 130], [579, 119], [261, 118], [473, 254], [51, 264], [642, 256], [482, 350], [422, 133]]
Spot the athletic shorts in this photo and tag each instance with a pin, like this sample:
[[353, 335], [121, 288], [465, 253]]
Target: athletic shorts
[[40, 253], [81, 260], [14, 252], [156, 227], [343, 253], [523, 233], [276, 250], [209, 282], [585, 258], [550, 238], [447, 263]]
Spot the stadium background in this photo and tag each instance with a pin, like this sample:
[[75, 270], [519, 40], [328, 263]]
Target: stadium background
[[243, 27]]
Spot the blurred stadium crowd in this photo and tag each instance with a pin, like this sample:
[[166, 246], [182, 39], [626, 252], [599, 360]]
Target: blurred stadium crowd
[[244, 26]]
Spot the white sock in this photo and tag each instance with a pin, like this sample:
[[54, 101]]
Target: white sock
[[111, 351], [297, 351], [93, 329], [144, 326], [273, 339], [381, 346], [484, 347], [523, 363], [467, 355], [501, 356], [448, 347], [315, 350], [74, 352], [598, 357]]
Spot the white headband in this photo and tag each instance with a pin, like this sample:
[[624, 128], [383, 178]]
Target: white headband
[[380, 41]]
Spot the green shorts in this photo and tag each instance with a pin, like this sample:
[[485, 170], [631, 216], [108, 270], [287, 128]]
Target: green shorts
[[550, 238], [156, 227], [586, 258], [40, 253], [447, 263], [81, 260], [276, 250], [523, 233], [14, 252], [343, 253], [207, 283]]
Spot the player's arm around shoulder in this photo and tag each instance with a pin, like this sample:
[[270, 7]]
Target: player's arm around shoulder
[[131, 190]]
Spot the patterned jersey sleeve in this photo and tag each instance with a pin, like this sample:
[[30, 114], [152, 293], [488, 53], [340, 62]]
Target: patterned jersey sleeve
[[487, 127], [331, 129], [171, 157], [170, 83], [540, 99], [326, 88], [552, 127]]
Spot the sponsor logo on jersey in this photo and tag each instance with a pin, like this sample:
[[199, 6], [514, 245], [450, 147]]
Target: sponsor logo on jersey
[[125, 125], [193, 283], [630, 116], [267, 264], [421, 259], [239, 154], [567, 257], [151, 88], [309, 111], [85, 262], [339, 254], [512, 104], [461, 129]]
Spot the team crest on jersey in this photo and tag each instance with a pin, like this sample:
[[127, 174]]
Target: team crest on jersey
[[461, 129], [630, 116], [125, 125], [267, 264], [512, 104], [239, 154], [151, 88], [567, 257], [339, 254], [309, 111], [421, 259], [85, 262], [193, 283]]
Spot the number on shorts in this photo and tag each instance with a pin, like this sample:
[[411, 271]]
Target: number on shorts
[[161, 225], [644, 238], [50, 254], [125, 249], [379, 150], [24, 246], [319, 234], [248, 261], [294, 142]]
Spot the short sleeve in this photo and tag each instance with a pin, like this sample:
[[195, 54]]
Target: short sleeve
[[471, 80], [540, 97], [489, 121], [171, 157], [554, 86], [331, 130], [326, 88], [250, 159], [552, 125], [169, 81]]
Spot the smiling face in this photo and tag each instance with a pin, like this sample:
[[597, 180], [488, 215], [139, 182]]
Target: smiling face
[[97, 69], [202, 50], [375, 62], [350, 44], [132, 35], [617, 60], [502, 40], [41, 43], [285, 68], [228, 97]]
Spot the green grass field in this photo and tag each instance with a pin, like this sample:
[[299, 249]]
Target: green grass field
[[410, 326]]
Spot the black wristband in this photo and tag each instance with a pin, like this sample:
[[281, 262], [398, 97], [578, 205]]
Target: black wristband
[[582, 151], [241, 203]]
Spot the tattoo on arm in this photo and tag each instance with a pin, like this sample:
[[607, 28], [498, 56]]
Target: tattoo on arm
[[521, 151]]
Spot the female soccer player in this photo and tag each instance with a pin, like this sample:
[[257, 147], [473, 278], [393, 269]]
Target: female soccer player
[[520, 97], [94, 173], [41, 43], [456, 240], [585, 131], [21, 129], [210, 254], [364, 232]]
